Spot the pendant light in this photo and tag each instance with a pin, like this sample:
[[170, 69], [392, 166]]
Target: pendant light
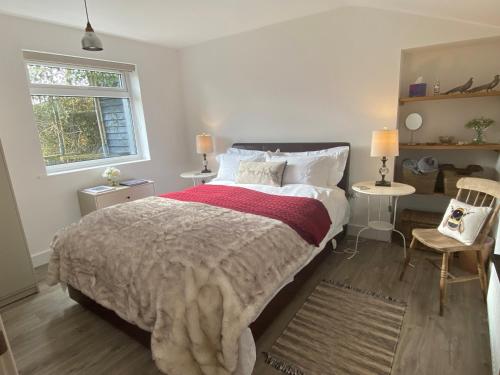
[[90, 41]]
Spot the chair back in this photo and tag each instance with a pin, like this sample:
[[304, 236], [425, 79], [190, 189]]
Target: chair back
[[480, 192]]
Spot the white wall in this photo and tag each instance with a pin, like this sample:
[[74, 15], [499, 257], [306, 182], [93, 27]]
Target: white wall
[[48, 203], [328, 77]]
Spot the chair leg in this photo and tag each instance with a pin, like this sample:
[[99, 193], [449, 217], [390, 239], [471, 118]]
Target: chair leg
[[482, 274], [408, 257], [443, 282]]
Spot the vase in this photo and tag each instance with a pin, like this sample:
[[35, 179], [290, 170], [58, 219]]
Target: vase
[[112, 182], [479, 138]]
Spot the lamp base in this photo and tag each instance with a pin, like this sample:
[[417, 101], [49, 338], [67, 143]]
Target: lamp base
[[383, 183], [205, 164], [383, 171]]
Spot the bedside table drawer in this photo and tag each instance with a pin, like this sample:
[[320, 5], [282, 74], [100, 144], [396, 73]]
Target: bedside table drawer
[[140, 191], [110, 199], [125, 195]]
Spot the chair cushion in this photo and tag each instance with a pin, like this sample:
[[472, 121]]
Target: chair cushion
[[463, 221]]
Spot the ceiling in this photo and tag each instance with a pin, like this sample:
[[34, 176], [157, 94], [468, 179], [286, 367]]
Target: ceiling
[[179, 23]]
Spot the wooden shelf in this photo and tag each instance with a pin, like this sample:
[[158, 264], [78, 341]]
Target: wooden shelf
[[404, 100], [443, 146]]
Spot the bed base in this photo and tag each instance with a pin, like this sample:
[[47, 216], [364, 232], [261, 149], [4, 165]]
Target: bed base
[[258, 327]]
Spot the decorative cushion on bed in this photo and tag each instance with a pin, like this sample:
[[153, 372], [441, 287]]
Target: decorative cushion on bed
[[463, 222], [309, 170], [338, 159], [229, 164], [261, 173]]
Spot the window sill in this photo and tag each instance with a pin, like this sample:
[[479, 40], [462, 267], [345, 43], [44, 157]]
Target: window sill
[[98, 166]]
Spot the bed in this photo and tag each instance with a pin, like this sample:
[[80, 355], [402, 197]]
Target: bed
[[269, 306]]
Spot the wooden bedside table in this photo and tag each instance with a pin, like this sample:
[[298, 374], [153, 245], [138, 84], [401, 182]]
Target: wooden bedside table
[[120, 194], [393, 193], [198, 177]]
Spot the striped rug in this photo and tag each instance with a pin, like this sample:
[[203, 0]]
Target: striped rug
[[340, 330]]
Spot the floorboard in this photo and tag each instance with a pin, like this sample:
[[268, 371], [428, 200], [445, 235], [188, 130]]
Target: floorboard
[[51, 334]]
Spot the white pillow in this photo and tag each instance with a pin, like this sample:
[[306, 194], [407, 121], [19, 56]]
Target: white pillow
[[241, 151], [338, 158], [463, 222], [229, 164], [310, 170]]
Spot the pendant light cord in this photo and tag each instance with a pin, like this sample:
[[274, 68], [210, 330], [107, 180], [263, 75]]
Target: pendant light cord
[[86, 11]]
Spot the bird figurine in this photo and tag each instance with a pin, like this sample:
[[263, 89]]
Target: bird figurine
[[487, 86], [461, 89]]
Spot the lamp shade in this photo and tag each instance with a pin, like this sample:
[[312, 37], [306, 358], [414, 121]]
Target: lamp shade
[[385, 143], [204, 144], [90, 41]]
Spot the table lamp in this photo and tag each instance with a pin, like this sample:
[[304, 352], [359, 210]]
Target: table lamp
[[204, 145], [384, 143]]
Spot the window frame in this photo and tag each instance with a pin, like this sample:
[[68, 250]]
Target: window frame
[[124, 92]]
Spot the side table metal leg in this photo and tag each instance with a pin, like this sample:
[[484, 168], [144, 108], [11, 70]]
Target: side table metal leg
[[357, 240], [395, 209], [404, 240]]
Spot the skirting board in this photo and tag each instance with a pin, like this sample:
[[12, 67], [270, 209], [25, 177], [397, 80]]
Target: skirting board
[[41, 258], [18, 295], [353, 229]]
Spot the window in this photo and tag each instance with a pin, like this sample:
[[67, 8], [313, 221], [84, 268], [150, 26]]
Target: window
[[84, 114]]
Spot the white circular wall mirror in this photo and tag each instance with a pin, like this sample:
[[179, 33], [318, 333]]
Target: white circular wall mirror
[[413, 122]]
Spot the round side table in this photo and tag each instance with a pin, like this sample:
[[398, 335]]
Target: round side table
[[198, 176], [393, 193]]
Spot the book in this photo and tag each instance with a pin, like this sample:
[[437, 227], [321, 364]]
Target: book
[[98, 189], [134, 182]]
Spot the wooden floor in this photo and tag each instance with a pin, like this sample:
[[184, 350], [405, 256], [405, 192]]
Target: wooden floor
[[50, 334]]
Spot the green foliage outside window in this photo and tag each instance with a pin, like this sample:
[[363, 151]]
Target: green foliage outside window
[[68, 128], [57, 75], [72, 128]]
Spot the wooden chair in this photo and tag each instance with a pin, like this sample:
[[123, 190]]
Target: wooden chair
[[478, 192]]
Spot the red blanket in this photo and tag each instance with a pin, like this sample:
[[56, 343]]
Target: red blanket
[[307, 216]]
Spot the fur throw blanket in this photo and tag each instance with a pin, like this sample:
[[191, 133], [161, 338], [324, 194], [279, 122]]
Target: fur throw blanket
[[194, 275]]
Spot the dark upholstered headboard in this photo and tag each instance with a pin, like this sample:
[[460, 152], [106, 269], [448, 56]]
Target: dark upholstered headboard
[[301, 147]]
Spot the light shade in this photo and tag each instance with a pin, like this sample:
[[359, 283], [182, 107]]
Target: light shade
[[385, 143], [204, 144], [90, 41]]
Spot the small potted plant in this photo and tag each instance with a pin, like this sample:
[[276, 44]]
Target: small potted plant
[[111, 174], [479, 125]]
